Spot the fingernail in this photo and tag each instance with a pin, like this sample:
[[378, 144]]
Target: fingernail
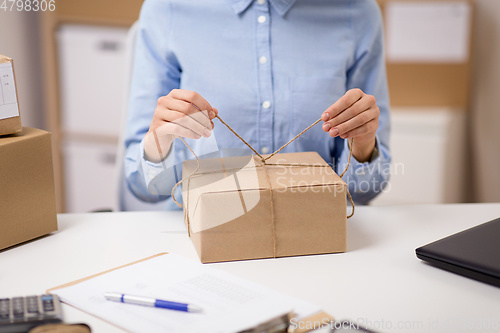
[[334, 131], [197, 136], [345, 136], [327, 126], [206, 133], [211, 114], [325, 116]]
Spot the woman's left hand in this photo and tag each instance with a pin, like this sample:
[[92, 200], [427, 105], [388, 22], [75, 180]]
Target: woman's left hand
[[354, 115]]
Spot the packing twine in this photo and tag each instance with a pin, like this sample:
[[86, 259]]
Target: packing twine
[[264, 163]]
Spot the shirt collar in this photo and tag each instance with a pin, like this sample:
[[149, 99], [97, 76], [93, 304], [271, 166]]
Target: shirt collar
[[281, 6]]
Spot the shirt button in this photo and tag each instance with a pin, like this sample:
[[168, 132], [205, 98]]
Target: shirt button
[[261, 19], [261, 2], [262, 60], [266, 105], [264, 150]]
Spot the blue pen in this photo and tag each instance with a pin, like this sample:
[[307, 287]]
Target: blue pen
[[148, 301]]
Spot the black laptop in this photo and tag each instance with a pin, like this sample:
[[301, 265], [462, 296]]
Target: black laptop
[[474, 253]]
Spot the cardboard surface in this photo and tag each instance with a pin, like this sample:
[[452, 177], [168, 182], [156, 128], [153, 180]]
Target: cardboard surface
[[8, 124], [428, 84], [241, 210], [118, 11], [27, 196]]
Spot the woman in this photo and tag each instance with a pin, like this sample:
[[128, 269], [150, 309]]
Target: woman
[[269, 68]]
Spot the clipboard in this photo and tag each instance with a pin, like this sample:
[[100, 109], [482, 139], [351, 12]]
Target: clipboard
[[305, 323]]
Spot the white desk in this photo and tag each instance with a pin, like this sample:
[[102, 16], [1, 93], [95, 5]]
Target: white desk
[[378, 279]]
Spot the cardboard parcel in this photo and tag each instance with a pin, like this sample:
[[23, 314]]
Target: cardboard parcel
[[27, 193], [237, 208]]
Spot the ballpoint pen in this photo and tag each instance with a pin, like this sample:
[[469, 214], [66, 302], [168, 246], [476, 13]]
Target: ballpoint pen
[[148, 301]]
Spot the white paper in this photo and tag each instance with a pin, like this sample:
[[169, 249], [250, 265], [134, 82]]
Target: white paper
[[229, 303], [8, 96], [428, 31]]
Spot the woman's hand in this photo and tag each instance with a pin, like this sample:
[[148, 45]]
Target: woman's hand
[[181, 113], [354, 115]]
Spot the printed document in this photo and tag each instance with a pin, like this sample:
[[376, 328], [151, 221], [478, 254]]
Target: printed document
[[229, 303]]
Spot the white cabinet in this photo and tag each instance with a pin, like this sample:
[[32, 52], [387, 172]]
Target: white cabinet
[[427, 146], [91, 73], [89, 176]]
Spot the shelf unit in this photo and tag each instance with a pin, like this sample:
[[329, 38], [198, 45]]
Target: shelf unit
[[114, 13], [417, 84]]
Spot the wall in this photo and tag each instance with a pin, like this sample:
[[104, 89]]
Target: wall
[[484, 164], [19, 39]]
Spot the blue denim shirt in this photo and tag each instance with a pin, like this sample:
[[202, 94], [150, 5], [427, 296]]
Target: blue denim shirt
[[271, 68]]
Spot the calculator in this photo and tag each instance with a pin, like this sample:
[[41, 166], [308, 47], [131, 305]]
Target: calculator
[[20, 314]]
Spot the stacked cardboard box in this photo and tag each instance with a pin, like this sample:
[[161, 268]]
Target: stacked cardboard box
[[27, 193]]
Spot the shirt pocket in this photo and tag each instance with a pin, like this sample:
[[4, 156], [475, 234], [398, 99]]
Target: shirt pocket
[[310, 97]]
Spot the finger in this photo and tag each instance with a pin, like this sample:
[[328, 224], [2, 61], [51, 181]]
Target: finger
[[198, 123], [202, 118], [172, 104], [168, 115], [359, 120], [213, 113], [175, 129], [354, 110], [191, 97], [367, 129], [349, 98]]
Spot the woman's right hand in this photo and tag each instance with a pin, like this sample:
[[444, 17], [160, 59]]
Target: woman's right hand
[[181, 113]]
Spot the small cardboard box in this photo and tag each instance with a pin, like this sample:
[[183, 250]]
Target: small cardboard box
[[236, 208], [27, 194], [10, 118]]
